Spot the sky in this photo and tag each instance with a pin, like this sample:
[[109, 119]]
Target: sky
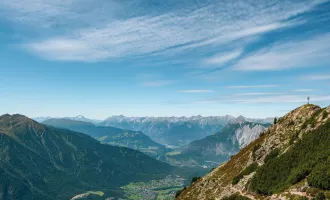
[[100, 58]]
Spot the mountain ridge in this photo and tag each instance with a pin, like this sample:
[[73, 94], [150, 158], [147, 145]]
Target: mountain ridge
[[299, 127]]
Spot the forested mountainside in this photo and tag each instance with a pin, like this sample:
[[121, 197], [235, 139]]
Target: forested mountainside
[[290, 160], [43, 162], [113, 136]]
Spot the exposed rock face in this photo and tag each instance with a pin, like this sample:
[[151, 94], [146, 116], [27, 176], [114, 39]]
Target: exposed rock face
[[217, 148], [218, 183], [247, 134]]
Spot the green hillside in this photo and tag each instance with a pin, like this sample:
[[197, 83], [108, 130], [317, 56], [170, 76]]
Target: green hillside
[[113, 136], [42, 162]]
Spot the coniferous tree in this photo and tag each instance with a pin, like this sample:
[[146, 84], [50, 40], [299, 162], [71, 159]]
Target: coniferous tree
[[320, 196]]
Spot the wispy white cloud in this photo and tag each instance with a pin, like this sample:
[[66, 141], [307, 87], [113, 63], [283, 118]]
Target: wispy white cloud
[[252, 86], [316, 77], [59, 13], [257, 94], [100, 31], [223, 57], [304, 90], [282, 99], [246, 33], [298, 53], [157, 83], [66, 50], [206, 102], [268, 99], [152, 80], [196, 91], [253, 30]]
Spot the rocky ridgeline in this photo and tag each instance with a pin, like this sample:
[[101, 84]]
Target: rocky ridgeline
[[282, 135], [288, 127]]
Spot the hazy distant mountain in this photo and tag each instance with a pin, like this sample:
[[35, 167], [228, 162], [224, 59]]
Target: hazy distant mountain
[[41, 119], [176, 131], [77, 118], [217, 148], [43, 162], [169, 131], [84, 119], [114, 136], [268, 120]]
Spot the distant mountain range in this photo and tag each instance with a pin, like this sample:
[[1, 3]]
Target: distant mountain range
[[206, 152], [169, 131], [42, 162], [76, 118], [175, 131], [217, 148], [113, 136]]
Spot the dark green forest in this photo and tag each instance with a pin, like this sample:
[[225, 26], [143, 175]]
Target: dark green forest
[[308, 158]]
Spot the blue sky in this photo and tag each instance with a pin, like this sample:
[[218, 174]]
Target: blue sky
[[163, 58]]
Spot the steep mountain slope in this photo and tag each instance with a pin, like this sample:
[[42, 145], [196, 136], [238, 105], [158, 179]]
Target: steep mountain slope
[[43, 162], [288, 161], [114, 136], [175, 131], [217, 148]]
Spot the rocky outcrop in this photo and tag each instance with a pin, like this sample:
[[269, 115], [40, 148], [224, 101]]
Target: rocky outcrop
[[247, 134]]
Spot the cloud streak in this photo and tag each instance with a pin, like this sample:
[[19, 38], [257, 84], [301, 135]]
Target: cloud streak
[[292, 54], [251, 86], [270, 99], [282, 99], [318, 77], [196, 91], [304, 90], [157, 83], [57, 14], [256, 94], [101, 31], [223, 58]]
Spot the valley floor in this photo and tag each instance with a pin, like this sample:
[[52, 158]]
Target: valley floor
[[162, 189]]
